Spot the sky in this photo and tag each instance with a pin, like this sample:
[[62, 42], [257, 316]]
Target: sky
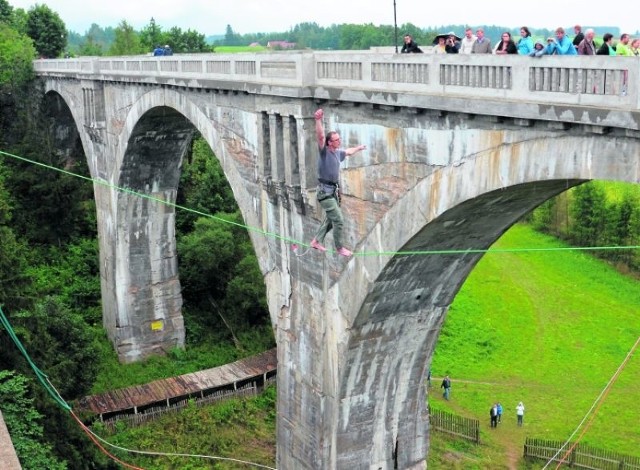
[[211, 17]]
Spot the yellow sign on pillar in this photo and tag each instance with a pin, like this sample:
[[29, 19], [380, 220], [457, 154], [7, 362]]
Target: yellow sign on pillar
[[157, 325]]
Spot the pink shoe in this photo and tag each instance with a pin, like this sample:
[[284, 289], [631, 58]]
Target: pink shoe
[[317, 245], [345, 252]]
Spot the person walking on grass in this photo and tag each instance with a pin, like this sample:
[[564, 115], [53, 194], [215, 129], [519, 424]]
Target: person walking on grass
[[493, 414], [520, 413], [446, 384], [499, 407], [331, 155]]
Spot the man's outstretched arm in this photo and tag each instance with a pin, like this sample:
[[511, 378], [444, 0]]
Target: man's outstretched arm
[[351, 150]]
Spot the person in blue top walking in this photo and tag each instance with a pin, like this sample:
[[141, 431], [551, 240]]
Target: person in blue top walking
[[562, 45], [525, 44]]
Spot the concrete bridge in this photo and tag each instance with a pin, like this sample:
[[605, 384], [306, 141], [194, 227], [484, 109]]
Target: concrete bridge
[[459, 148]]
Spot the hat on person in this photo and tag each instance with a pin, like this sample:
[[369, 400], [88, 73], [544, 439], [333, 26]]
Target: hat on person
[[551, 39], [445, 36], [538, 42]]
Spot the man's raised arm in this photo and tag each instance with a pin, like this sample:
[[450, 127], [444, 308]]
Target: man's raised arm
[[318, 115]]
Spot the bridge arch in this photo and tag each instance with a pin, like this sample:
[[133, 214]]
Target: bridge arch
[[395, 328], [159, 128]]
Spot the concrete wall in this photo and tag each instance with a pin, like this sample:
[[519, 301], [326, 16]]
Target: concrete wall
[[458, 150], [8, 457]]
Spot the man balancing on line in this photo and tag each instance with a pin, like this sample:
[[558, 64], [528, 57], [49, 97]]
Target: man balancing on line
[[328, 190]]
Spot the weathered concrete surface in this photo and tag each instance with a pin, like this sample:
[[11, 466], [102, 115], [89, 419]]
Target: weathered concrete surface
[[8, 458], [354, 336]]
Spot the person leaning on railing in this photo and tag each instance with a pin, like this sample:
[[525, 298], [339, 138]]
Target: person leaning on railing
[[587, 46], [607, 45], [561, 45], [635, 47], [623, 47]]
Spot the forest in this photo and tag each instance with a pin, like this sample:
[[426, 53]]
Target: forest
[[49, 267]]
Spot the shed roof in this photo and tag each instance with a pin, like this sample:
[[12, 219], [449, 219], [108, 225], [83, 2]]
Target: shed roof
[[182, 385]]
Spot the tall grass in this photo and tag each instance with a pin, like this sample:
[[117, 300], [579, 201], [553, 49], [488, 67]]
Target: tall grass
[[548, 329]]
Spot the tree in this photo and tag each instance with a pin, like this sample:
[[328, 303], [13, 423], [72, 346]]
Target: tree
[[151, 36], [90, 47], [23, 422], [6, 12], [203, 186], [230, 37], [47, 30], [61, 344], [16, 68], [588, 214], [126, 42]]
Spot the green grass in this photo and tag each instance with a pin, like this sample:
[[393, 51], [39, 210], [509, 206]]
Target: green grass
[[212, 353], [231, 49], [548, 329], [241, 429]]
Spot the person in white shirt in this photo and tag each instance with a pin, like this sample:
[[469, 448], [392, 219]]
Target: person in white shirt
[[466, 44], [520, 413]]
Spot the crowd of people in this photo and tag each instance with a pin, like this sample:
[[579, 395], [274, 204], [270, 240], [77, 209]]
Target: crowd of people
[[581, 44]]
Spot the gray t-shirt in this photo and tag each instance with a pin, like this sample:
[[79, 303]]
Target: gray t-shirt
[[329, 166]]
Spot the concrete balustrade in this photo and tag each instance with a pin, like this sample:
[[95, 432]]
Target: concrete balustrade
[[592, 81]]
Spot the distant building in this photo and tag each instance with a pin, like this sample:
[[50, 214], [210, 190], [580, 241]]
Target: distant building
[[281, 45]]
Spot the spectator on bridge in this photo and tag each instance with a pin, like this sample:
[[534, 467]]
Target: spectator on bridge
[[587, 46], [439, 46], [482, 44], [466, 43], [538, 50], [331, 154], [525, 43], [607, 45], [446, 385], [158, 51], [561, 45], [506, 45], [409, 46], [452, 44], [520, 413], [577, 39], [623, 48], [635, 47], [168, 50]]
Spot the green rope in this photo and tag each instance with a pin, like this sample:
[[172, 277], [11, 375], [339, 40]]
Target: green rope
[[299, 243], [42, 377]]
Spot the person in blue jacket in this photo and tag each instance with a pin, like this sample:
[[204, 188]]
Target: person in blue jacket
[[158, 51], [562, 45], [525, 44]]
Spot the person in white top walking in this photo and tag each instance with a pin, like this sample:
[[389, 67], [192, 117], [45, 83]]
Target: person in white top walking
[[520, 413]]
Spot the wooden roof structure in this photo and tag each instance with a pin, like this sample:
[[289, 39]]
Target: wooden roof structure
[[228, 375]]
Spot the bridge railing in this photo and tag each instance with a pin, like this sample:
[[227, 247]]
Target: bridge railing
[[601, 81]]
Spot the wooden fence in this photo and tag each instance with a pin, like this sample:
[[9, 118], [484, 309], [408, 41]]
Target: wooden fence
[[455, 425], [153, 413], [582, 456]]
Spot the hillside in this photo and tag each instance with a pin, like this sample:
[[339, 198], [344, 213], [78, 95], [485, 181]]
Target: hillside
[[548, 329]]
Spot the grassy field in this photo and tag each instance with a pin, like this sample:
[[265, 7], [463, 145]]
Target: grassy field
[[545, 328]]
